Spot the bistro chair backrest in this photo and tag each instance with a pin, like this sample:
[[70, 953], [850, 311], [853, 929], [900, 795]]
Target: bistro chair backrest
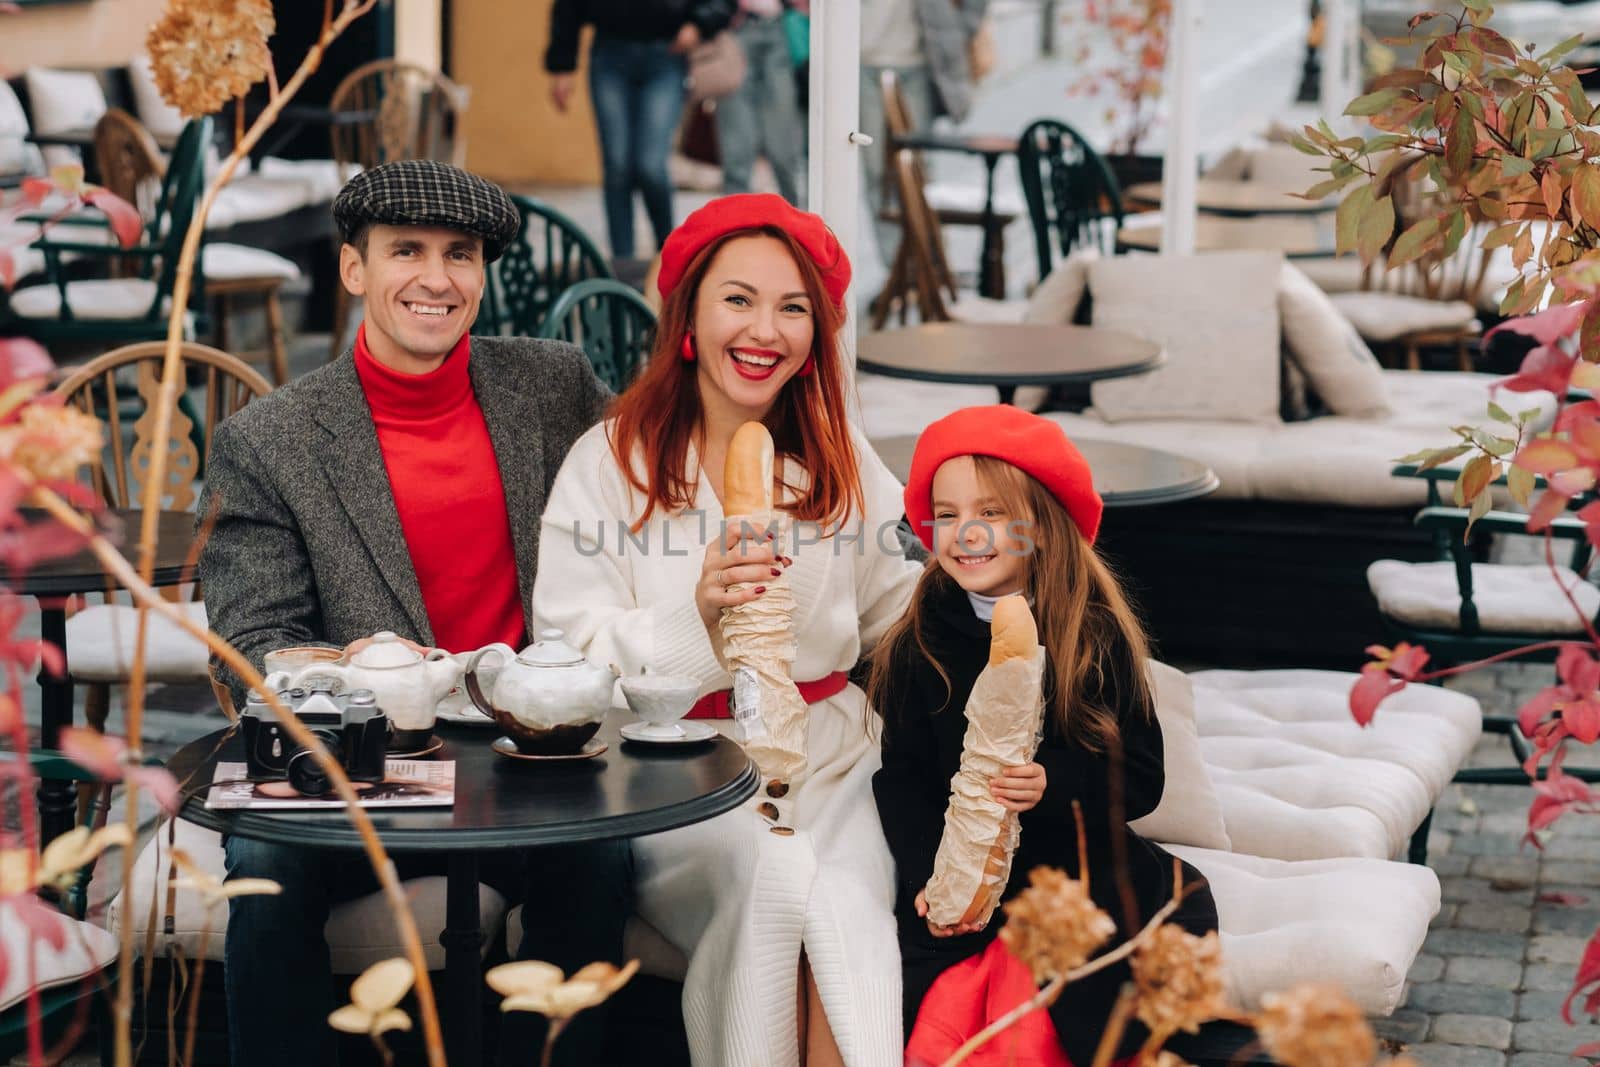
[[610, 322], [102, 387], [551, 253], [180, 194], [1460, 275], [923, 238], [389, 109], [1073, 198], [129, 160]]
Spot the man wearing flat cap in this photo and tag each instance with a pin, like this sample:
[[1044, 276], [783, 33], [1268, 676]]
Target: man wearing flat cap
[[398, 488]]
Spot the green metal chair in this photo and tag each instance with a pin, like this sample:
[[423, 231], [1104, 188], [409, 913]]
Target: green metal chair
[[1073, 199], [121, 309], [610, 322], [550, 255], [1493, 608]]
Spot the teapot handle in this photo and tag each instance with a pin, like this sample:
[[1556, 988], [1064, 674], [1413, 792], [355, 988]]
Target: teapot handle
[[474, 690]]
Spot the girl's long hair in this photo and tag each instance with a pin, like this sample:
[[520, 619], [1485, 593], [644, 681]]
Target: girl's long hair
[[656, 418], [1091, 636]]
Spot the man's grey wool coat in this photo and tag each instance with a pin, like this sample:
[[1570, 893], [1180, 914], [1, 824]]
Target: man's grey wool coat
[[306, 546]]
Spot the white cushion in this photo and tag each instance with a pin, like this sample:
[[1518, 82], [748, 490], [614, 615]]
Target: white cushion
[[1328, 349], [1333, 274], [319, 176], [1298, 779], [14, 238], [159, 117], [87, 949], [1382, 316], [100, 298], [360, 932], [17, 155], [254, 198], [100, 641], [229, 262], [63, 100], [1189, 812], [1357, 923], [948, 196], [971, 308], [1055, 300], [1216, 315], [1521, 599]]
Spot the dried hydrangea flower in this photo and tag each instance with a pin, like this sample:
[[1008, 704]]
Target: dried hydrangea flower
[[1053, 925], [1179, 977], [206, 52], [51, 441], [1315, 1026]]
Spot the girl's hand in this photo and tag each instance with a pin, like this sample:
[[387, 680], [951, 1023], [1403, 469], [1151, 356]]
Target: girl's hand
[[921, 904], [688, 36], [1019, 788], [744, 555]]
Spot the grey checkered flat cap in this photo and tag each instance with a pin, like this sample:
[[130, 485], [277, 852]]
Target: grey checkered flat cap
[[424, 192]]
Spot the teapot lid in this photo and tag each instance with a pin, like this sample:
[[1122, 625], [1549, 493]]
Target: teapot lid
[[385, 650], [551, 650]]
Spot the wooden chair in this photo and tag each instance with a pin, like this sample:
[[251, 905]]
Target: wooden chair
[[610, 322], [132, 307], [1431, 302], [386, 110], [1464, 609], [551, 254], [1073, 199], [131, 166], [99, 637]]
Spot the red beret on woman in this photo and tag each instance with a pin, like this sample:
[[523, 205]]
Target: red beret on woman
[[750, 211], [1031, 443]]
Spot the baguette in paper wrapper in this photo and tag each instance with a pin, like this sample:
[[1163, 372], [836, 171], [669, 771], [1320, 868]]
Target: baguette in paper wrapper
[[1004, 714], [757, 639]]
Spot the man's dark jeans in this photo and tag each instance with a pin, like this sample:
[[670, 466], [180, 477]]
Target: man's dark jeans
[[576, 900]]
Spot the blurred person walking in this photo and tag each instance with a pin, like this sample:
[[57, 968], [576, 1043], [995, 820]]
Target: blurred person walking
[[763, 117], [637, 66], [925, 43]]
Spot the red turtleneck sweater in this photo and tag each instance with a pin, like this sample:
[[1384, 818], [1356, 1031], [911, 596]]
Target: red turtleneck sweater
[[446, 485]]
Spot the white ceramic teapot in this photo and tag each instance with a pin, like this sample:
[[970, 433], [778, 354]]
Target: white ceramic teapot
[[548, 698], [408, 684]]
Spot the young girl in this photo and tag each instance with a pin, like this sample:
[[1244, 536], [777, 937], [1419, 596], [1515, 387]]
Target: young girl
[[1006, 505]]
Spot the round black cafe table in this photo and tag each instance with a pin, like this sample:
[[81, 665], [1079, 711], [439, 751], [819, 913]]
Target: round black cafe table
[[1124, 475], [1006, 355], [500, 803]]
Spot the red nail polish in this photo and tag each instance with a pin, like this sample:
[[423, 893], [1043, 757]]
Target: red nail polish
[[776, 572], [761, 589]]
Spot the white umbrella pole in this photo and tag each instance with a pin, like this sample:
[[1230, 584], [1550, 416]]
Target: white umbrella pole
[[834, 178], [1341, 41], [1180, 166]]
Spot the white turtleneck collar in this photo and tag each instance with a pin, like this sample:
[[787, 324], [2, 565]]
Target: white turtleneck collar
[[983, 606]]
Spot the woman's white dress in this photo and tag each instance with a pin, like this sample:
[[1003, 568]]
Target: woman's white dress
[[739, 900]]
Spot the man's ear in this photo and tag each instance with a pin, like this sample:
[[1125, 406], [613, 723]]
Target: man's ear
[[352, 271]]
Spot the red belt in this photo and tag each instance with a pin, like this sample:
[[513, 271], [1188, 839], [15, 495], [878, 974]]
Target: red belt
[[718, 705]]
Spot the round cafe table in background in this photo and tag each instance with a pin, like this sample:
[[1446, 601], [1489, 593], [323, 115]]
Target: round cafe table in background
[[1006, 355], [1216, 196], [1296, 237], [500, 803], [1124, 475]]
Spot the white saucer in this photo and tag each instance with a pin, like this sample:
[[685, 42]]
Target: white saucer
[[467, 716], [693, 732]]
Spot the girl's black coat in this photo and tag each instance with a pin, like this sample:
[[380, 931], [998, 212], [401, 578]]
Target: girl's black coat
[[923, 729], [632, 20]]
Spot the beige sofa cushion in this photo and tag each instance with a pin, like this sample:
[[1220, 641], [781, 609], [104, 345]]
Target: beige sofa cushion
[[1381, 316], [1298, 779], [61, 100], [17, 154], [85, 950], [1510, 598], [360, 932], [1216, 316], [1330, 352], [101, 637], [1358, 923], [1055, 300], [1189, 812]]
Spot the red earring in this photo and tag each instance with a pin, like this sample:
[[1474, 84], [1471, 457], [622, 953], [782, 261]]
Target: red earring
[[807, 368], [687, 348]]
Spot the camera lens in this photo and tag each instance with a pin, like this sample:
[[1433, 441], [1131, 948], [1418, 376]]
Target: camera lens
[[305, 774]]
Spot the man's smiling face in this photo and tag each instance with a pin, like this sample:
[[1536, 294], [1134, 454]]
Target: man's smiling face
[[422, 286]]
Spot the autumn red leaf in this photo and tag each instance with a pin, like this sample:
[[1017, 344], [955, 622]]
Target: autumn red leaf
[[101, 754], [22, 358], [36, 191], [8, 269], [1372, 688], [43, 922], [1554, 796], [159, 783], [123, 216], [1563, 899], [1544, 369], [1588, 976]]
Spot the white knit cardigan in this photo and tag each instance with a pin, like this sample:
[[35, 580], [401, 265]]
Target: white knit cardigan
[[740, 901]]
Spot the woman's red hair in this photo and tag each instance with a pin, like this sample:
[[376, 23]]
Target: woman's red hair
[[654, 420]]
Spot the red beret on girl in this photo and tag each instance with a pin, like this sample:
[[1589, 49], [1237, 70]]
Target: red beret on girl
[[1031, 443], [751, 211]]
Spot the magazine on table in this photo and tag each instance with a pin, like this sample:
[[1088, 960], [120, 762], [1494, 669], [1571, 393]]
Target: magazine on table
[[406, 784]]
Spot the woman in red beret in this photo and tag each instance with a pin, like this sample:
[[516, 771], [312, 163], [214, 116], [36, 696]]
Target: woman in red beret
[[784, 907], [1007, 505]]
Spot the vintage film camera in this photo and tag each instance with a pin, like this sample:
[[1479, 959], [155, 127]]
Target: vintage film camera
[[351, 725]]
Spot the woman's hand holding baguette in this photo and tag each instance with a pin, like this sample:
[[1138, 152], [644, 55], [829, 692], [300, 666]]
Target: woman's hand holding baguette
[[921, 904], [1019, 788], [743, 555]]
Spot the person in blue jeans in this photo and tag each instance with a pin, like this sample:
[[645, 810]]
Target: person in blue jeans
[[637, 66], [763, 116]]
